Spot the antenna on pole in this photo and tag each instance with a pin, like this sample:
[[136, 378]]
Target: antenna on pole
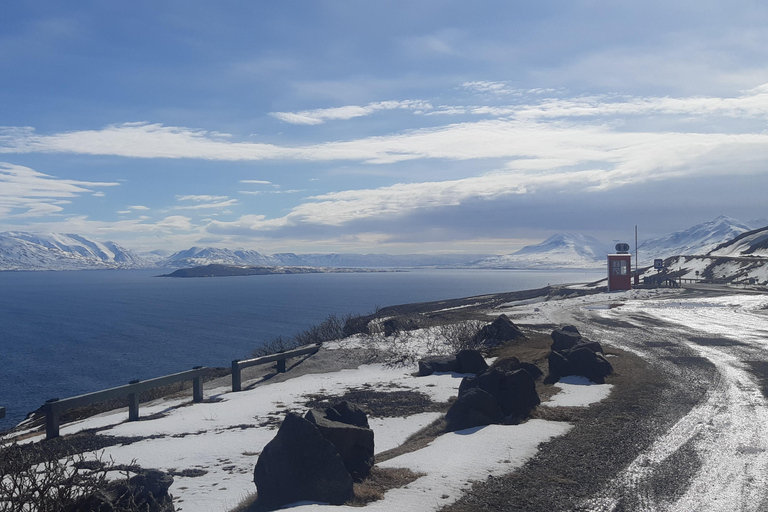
[[637, 262]]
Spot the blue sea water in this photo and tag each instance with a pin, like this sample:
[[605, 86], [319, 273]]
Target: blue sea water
[[67, 333]]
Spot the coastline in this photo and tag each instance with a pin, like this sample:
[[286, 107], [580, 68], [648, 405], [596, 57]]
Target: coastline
[[570, 471]]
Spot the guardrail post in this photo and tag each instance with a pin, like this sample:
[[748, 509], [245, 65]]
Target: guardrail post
[[281, 366], [197, 386], [133, 404], [51, 419], [237, 383]]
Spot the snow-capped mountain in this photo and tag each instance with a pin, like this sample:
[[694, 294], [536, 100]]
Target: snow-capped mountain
[[697, 240], [198, 256], [58, 251], [752, 243], [566, 250]]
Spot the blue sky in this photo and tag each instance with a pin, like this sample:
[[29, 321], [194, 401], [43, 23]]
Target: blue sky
[[388, 127]]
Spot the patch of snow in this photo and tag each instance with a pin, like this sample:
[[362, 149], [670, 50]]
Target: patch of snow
[[577, 391]]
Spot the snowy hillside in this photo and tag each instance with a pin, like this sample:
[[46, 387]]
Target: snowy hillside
[[199, 256], [751, 243], [566, 250], [697, 240], [58, 251]]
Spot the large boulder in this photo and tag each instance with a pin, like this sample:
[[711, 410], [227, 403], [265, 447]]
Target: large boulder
[[565, 338], [498, 332], [471, 361], [573, 355], [438, 364], [348, 431], [590, 364], [514, 392], [511, 364], [472, 409], [299, 464]]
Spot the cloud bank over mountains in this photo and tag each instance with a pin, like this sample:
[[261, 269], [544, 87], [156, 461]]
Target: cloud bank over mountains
[[478, 131]]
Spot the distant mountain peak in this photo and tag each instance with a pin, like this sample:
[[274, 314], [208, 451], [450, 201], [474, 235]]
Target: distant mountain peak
[[21, 250], [561, 250], [696, 240]]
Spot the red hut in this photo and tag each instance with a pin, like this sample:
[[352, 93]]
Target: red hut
[[619, 269]]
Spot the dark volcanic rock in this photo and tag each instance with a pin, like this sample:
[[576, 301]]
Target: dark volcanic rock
[[501, 330], [347, 413], [590, 364], [512, 363], [353, 442], [515, 392], [581, 357], [432, 364], [471, 361], [473, 409], [565, 338], [300, 464]]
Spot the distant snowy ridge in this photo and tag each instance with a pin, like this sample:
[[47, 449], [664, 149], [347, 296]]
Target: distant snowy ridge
[[750, 244], [694, 241], [58, 251], [565, 250], [200, 256]]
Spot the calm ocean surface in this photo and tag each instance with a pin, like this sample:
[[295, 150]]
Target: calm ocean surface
[[67, 333]]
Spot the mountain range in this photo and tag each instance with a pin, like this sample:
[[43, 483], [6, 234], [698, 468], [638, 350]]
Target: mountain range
[[55, 251]]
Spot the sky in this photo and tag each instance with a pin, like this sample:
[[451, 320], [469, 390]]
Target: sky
[[380, 127]]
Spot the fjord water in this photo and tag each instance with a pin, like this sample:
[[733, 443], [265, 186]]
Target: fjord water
[[67, 333]]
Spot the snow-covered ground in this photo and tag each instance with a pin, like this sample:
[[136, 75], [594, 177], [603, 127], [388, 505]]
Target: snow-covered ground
[[223, 437]]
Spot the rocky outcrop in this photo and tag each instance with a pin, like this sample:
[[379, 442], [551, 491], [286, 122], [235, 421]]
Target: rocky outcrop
[[300, 464], [573, 355]]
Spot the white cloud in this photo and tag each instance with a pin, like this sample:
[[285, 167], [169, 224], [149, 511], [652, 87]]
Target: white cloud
[[25, 192], [208, 206], [176, 222], [319, 116], [200, 198], [256, 182], [138, 207]]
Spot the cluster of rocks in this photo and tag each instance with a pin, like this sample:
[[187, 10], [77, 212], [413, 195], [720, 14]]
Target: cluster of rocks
[[316, 457], [574, 355], [498, 395]]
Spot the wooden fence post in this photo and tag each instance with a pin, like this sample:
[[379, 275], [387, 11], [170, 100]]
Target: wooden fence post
[[51, 419], [197, 386], [133, 403], [281, 366], [237, 383]]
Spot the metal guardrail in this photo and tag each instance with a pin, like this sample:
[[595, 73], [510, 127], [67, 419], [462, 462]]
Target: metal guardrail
[[280, 357], [54, 406]]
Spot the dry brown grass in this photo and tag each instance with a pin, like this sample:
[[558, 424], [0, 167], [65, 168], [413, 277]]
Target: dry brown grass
[[380, 481]]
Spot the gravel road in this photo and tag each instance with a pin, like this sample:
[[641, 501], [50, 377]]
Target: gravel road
[[685, 429]]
